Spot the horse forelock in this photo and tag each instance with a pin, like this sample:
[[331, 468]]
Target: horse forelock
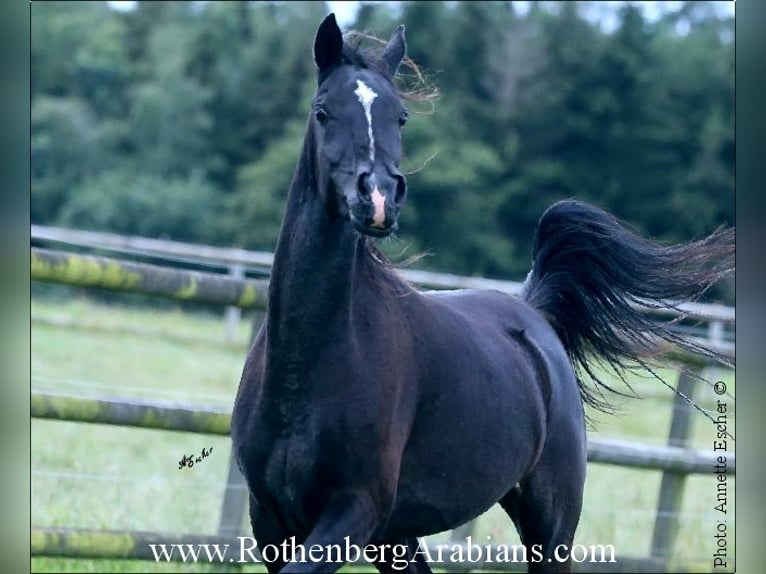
[[362, 58]]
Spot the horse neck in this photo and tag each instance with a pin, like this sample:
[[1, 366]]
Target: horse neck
[[315, 270]]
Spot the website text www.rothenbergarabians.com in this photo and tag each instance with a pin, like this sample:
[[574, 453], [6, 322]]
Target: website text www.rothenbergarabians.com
[[396, 555]]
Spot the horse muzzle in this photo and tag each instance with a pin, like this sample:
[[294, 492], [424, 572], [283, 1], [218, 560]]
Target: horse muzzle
[[375, 208]]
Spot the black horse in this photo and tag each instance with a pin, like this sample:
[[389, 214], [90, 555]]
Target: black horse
[[369, 412]]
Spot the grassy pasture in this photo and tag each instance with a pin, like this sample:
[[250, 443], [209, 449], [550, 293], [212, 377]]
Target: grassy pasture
[[98, 476]]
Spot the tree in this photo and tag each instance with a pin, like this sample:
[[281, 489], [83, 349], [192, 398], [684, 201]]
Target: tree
[[559, 110], [255, 60], [145, 204], [170, 125], [130, 107], [77, 51], [66, 145]]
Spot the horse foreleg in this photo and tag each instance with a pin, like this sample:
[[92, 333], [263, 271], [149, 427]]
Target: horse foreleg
[[348, 519], [266, 533]]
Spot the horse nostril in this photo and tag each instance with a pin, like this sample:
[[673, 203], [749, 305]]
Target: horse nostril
[[401, 189], [362, 185]]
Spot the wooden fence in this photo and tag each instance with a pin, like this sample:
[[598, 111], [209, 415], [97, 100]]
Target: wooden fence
[[236, 261], [676, 461]]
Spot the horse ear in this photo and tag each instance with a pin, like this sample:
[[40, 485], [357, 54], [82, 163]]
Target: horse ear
[[328, 44], [395, 50]]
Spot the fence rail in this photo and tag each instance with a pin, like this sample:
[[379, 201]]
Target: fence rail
[[187, 418], [106, 273], [227, 257], [218, 256], [113, 274]]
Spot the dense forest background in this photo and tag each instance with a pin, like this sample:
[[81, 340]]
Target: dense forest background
[[184, 120]]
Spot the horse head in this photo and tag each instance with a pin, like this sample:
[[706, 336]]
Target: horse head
[[357, 117]]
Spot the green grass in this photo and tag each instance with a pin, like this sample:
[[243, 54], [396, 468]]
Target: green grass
[[106, 477]]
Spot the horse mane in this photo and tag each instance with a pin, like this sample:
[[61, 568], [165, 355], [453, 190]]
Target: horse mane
[[378, 270], [369, 58]]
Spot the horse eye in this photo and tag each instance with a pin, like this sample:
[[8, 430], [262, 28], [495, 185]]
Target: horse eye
[[321, 115], [403, 119]]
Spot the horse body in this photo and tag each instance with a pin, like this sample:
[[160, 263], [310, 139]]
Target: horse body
[[367, 388], [370, 412]]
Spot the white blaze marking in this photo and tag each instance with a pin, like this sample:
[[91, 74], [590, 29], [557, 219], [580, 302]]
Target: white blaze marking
[[379, 201], [366, 96]]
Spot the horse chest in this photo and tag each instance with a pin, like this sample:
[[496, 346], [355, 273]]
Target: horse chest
[[285, 478], [288, 470]]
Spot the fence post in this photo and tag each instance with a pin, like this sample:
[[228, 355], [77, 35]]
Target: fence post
[[715, 336], [673, 483], [236, 497], [233, 313], [235, 500]]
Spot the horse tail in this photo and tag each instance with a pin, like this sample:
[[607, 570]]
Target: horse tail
[[591, 276]]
